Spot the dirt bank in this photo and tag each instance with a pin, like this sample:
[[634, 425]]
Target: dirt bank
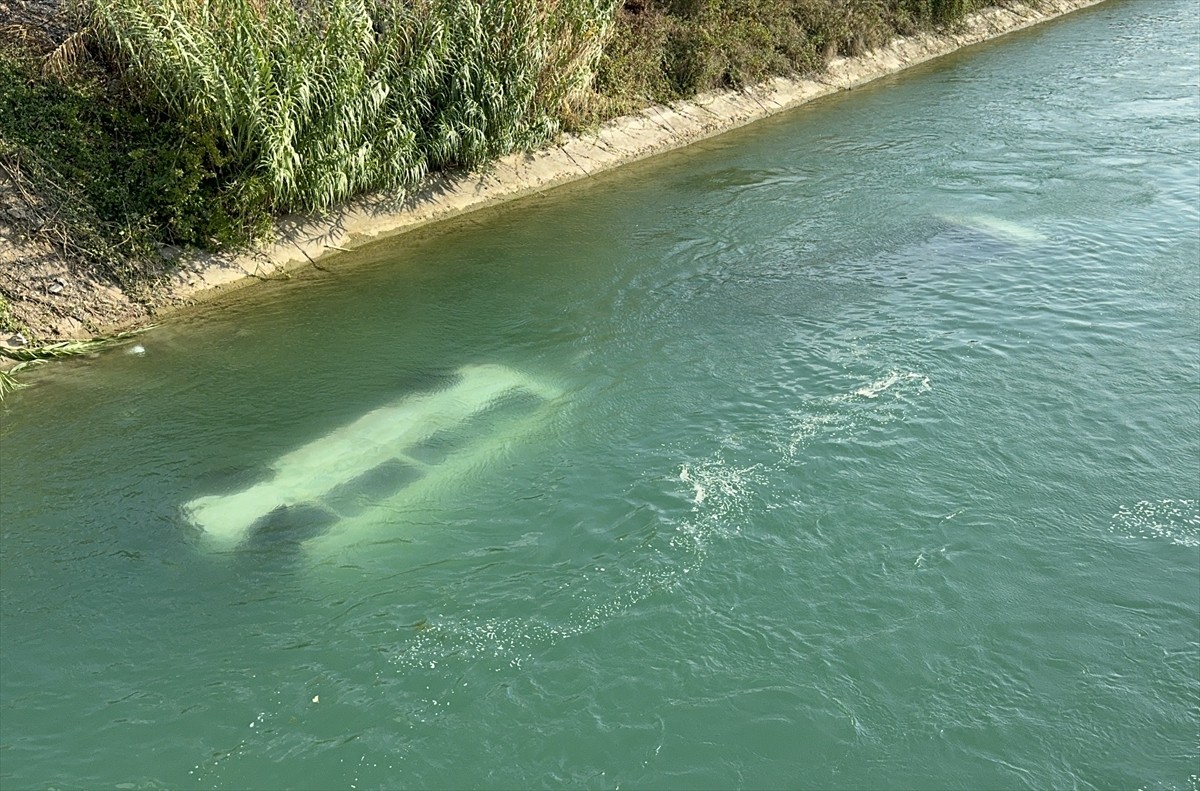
[[56, 297]]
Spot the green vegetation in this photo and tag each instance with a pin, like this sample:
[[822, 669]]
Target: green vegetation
[[54, 351], [664, 50], [196, 123], [61, 150], [30, 356], [188, 122], [8, 322], [301, 108]]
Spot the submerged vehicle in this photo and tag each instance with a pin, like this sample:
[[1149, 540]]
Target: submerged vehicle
[[997, 228], [332, 485]]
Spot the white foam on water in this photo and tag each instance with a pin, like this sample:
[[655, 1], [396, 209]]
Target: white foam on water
[[842, 414], [1175, 521], [722, 495], [512, 641], [713, 477], [1193, 783], [886, 383], [809, 427]]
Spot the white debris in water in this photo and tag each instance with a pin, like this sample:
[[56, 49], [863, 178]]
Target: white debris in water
[[137, 349]]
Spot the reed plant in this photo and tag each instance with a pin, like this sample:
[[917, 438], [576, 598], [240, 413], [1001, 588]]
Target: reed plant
[[663, 50], [196, 122], [305, 103], [33, 356]]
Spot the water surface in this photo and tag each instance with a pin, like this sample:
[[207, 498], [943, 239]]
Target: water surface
[[868, 456]]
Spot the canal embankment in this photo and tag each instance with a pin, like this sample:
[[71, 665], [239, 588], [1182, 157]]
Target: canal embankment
[[302, 241], [55, 300]]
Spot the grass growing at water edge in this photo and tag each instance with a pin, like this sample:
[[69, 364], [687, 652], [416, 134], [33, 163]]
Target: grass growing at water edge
[[196, 122], [30, 356]]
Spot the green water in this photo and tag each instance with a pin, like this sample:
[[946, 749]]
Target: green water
[[868, 457]]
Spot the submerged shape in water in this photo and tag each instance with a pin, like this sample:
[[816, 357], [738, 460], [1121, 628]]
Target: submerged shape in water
[[423, 437], [997, 228]]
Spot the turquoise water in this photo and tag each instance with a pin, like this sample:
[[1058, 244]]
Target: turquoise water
[[857, 449]]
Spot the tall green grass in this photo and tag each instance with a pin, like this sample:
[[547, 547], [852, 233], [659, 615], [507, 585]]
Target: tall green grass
[[296, 105], [663, 50], [304, 104], [197, 121]]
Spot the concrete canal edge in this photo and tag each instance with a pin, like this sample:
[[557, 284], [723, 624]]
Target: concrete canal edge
[[302, 241]]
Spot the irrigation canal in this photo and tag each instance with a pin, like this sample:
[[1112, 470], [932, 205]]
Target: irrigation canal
[[858, 449]]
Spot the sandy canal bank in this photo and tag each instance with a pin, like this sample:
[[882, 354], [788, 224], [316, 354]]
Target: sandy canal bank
[[300, 241]]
